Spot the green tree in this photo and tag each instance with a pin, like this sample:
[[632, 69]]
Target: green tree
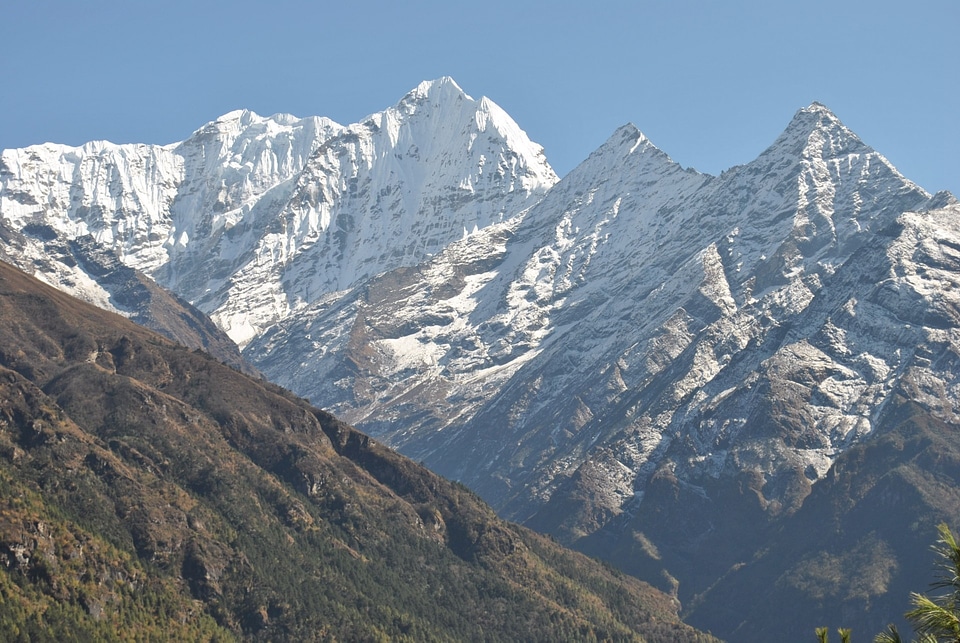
[[936, 619], [823, 634], [890, 636]]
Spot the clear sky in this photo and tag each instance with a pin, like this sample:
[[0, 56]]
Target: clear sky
[[711, 82]]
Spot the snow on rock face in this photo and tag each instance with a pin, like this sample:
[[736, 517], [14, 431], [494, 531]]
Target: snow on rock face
[[253, 217], [158, 208], [640, 316], [391, 191], [487, 301], [114, 193], [773, 233]]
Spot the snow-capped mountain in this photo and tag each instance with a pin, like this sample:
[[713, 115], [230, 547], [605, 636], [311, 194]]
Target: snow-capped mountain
[[594, 335], [654, 364], [252, 218], [640, 359]]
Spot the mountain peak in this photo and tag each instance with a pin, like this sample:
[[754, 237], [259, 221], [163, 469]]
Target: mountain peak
[[627, 145], [628, 130], [632, 132], [816, 117], [443, 88], [231, 122], [237, 114], [238, 117], [628, 140], [815, 131]]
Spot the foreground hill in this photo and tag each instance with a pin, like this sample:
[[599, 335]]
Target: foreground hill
[[87, 270], [149, 490]]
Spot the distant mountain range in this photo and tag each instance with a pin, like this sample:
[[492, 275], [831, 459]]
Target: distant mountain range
[[661, 367]]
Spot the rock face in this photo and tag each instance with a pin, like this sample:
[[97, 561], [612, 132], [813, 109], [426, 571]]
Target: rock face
[[654, 364], [638, 312], [851, 555]]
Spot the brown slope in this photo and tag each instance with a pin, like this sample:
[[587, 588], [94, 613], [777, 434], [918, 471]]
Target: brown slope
[[155, 307], [130, 290], [180, 490]]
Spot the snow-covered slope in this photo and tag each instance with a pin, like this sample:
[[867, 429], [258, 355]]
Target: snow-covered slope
[[387, 192], [475, 313], [624, 324], [156, 207], [252, 218]]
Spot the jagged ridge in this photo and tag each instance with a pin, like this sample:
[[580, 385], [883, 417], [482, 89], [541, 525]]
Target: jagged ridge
[[645, 345]]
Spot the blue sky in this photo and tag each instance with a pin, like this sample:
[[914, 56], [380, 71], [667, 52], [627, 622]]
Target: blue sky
[[711, 82]]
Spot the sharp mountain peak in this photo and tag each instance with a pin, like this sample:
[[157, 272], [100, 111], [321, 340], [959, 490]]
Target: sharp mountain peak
[[815, 131], [443, 85]]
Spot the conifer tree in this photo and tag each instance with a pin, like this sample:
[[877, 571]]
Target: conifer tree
[[936, 619]]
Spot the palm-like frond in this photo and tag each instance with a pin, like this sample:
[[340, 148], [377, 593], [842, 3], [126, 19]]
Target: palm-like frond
[[948, 551], [936, 619], [930, 617], [890, 636]]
